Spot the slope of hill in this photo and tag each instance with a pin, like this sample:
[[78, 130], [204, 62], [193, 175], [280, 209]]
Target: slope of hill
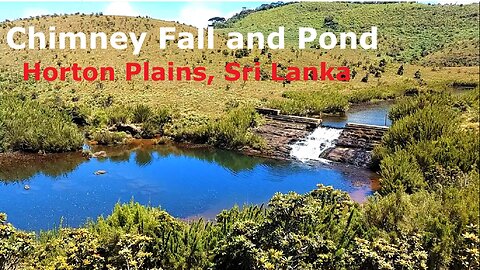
[[407, 32], [183, 96]]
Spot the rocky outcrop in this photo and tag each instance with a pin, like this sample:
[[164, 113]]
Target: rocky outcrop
[[278, 136], [280, 131], [355, 144], [354, 156], [361, 136]]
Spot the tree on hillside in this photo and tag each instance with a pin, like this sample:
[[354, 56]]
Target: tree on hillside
[[216, 20]]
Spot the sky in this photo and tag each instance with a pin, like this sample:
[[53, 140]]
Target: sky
[[194, 13]]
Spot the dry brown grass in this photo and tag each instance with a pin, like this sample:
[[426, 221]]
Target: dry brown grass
[[193, 96]]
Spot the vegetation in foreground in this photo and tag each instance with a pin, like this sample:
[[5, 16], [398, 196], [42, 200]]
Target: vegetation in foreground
[[424, 217]]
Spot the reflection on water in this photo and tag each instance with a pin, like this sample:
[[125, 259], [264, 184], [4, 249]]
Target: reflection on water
[[185, 182], [14, 167]]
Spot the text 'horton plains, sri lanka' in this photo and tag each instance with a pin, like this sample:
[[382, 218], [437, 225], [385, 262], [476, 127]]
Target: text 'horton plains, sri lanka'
[[148, 72]]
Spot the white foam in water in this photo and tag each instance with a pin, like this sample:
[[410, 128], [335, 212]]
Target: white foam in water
[[311, 147]]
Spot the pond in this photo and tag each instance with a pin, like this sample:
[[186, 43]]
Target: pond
[[38, 193], [188, 183]]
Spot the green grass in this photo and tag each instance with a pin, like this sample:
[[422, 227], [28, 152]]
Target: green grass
[[407, 32], [27, 125], [428, 145]]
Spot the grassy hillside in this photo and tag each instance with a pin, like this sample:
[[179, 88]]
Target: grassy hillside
[[213, 100], [196, 112], [407, 32]]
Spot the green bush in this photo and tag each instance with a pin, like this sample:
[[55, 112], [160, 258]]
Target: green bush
[[430, 123], [30, 126], [311, 103], [188, 127], [400, 171], [309, 231], [409, 105], [404, 252], [15, 246], [118, 115], [141, 113], [105, 137], [438, 218], [234, 129], [161, 117], [155, 124], [427, 145]]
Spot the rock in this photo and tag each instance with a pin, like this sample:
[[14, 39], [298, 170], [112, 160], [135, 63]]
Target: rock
[[26, 187], [100, 154], [278, 136], [100, 172], [355, 156], [131, 129], [355, 144]]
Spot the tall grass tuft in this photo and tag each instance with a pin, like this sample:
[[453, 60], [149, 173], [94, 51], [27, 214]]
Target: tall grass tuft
[[27, 125]]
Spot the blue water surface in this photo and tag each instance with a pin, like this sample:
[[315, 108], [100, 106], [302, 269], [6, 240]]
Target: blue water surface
[[370, 114], [188, 183]]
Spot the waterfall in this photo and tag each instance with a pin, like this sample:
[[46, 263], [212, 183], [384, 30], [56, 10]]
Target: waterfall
[[314, 144]]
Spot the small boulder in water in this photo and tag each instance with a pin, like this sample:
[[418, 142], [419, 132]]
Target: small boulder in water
[[100, 154], [100, 172]]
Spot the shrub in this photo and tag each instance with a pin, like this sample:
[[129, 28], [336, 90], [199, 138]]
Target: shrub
[[154, 239], [15, 246], [410, 105], [308, 231], [141, 113], [438, 218], [105, 137], [234, 129], [426, 146], [430, 123], [118, 115], [404, 252], [311, 103], [30, 126], [400, 171], [149, 129], [188, 127], [161, 117]]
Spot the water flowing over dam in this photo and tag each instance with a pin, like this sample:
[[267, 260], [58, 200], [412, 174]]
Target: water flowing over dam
[[346, 139], [352, 144], [315, 144]]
